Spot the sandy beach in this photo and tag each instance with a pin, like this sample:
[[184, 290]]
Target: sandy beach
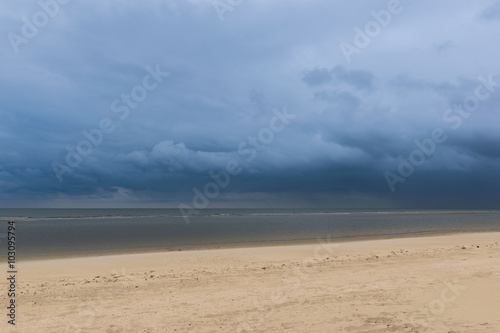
[[425, 284]]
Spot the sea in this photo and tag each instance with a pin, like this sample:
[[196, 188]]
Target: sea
[[46, 232]]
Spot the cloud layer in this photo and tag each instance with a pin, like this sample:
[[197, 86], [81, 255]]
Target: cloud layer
[[353, 121]]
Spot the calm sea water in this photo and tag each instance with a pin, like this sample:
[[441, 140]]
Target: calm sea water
[[50, 231]]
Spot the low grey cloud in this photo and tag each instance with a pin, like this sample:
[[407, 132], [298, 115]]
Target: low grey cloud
[[341, 97], [492, 12], [360, 79], [318, 76]]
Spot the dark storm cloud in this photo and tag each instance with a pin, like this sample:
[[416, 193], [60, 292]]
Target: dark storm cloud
[[352, 121]]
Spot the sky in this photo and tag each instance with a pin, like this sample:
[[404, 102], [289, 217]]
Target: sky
[[250, 103]]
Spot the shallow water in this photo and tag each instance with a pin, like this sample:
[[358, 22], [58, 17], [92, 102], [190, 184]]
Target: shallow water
[[73, 230]]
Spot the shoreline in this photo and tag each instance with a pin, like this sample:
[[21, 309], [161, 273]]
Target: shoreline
[[21, 257], [64, 237]]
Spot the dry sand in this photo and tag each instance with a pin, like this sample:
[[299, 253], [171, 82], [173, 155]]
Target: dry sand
[[427, 284]]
